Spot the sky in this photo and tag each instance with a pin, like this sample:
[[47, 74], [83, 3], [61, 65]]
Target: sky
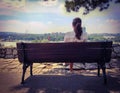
[[38, 17]]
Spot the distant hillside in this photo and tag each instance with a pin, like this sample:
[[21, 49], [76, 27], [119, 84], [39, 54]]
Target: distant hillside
[[12, 36], [104, 36]]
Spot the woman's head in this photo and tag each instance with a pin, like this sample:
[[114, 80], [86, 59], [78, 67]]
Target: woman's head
[[77, 27], [75, 21]]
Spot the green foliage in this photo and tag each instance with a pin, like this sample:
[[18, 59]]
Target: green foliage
[[96, 37], [104, 37], [88, 5], [44, 41], [54, 37], [9, 36]]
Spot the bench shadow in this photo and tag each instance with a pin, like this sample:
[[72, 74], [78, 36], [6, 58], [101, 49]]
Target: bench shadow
[[69, 84]]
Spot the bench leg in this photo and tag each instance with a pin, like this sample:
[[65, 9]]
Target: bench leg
[[71, 67], [23, 74], [98, 70], [31, 66], [104, 73]]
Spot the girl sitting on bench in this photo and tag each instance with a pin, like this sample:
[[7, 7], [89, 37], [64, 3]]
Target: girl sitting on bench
[[77, 35]]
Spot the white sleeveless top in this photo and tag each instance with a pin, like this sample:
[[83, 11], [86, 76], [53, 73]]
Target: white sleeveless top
[[70, 37]]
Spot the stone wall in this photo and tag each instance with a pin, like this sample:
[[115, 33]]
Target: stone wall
[[8, 53]]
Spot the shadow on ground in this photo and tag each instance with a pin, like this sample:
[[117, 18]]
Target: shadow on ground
[[69, 84]]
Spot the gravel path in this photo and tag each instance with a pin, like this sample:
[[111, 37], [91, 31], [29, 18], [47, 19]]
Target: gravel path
[[54, 78]]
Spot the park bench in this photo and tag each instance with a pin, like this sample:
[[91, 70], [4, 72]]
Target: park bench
[[85, 52]]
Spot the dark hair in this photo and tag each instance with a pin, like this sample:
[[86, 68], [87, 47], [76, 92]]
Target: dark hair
[[77, 27]]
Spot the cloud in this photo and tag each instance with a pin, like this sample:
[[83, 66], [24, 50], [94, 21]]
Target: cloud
[[49, 22], [40, 6], [27, 27], [17, 5], [39, 27], [5, 9], [12, 26], [48, 3], [113, 25], [36, 27], [113, 21], [109, 26], [3, 12]]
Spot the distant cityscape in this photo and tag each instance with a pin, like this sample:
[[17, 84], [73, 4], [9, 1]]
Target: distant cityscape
[[58, 36], [8, 40]]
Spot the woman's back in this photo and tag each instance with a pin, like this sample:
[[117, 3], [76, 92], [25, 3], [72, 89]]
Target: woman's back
[[70, 37]]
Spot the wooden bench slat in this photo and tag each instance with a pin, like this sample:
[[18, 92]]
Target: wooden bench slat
[[57, 51], [72, 44]]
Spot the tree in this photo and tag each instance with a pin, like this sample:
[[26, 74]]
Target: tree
[[88, 5]]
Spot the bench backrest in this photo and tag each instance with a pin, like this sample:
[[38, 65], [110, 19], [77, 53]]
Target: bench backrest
[[65, 52]]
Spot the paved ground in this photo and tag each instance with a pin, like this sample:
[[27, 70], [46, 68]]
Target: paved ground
[[53, 78]]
